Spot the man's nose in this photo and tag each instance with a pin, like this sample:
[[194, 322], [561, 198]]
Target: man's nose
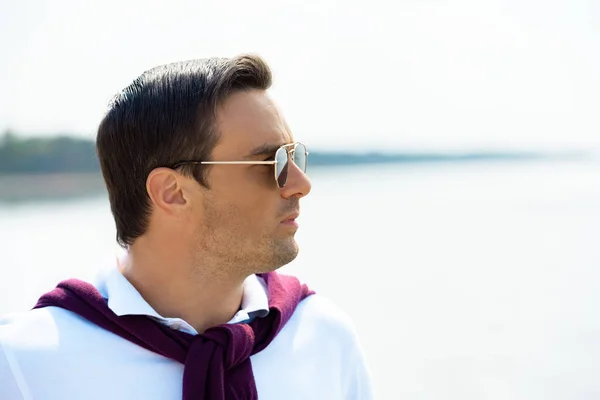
[[298, 184]]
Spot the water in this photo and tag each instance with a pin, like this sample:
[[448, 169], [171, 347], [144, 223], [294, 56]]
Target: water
[[466, 281]]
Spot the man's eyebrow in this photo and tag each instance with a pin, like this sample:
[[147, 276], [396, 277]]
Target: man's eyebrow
[[265, 149]]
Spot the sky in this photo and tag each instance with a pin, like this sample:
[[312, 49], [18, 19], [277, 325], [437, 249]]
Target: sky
[[407, 74]]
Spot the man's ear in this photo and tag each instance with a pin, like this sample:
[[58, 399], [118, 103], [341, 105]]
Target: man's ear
[[165, 188]]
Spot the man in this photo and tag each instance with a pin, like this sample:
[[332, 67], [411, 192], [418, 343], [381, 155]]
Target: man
[[204, 181]]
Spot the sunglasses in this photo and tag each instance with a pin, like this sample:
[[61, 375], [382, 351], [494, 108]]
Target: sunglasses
[[281, 163]]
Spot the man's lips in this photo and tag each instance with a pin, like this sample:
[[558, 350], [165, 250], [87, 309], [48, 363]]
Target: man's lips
[[291, 218]]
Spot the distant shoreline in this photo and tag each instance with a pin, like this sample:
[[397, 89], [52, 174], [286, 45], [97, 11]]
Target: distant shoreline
[[76, 158], [48, 186], [42, 186]]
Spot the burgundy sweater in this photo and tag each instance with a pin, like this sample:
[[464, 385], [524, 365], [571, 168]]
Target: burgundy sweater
[[216, 363]]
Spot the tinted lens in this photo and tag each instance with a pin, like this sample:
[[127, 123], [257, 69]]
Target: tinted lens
[[281, 168], [300, 157]]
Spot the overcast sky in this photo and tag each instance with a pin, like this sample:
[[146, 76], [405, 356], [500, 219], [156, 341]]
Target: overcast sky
[[376, 74]]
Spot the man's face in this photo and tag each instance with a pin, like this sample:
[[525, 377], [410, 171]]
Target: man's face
[[245, 215]]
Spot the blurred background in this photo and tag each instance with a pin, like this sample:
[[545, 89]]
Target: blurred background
[[455, 159]]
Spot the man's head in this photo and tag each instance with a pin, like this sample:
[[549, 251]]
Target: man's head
[[201, 110]]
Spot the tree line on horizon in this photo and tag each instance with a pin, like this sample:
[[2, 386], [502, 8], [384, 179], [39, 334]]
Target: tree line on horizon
[[47, 155], [64, 154]]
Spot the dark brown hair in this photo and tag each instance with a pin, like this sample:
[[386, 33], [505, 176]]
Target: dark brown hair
[[166, 115]]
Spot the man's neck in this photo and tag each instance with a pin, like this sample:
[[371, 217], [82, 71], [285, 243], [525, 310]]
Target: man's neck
[[202, 296]]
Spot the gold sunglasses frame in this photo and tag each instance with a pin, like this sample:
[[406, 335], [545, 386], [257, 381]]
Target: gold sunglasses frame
[[290, 149]]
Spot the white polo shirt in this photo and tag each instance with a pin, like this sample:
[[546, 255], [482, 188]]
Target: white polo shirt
[[53, 354]]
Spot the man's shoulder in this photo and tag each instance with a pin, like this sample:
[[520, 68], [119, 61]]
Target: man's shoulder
[[38, 328], [322, 307], [17, 325], [324, 317]]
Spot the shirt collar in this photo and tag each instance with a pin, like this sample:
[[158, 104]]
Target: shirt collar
[[124, 299]]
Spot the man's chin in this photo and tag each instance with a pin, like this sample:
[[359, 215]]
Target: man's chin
[[281, 257]]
